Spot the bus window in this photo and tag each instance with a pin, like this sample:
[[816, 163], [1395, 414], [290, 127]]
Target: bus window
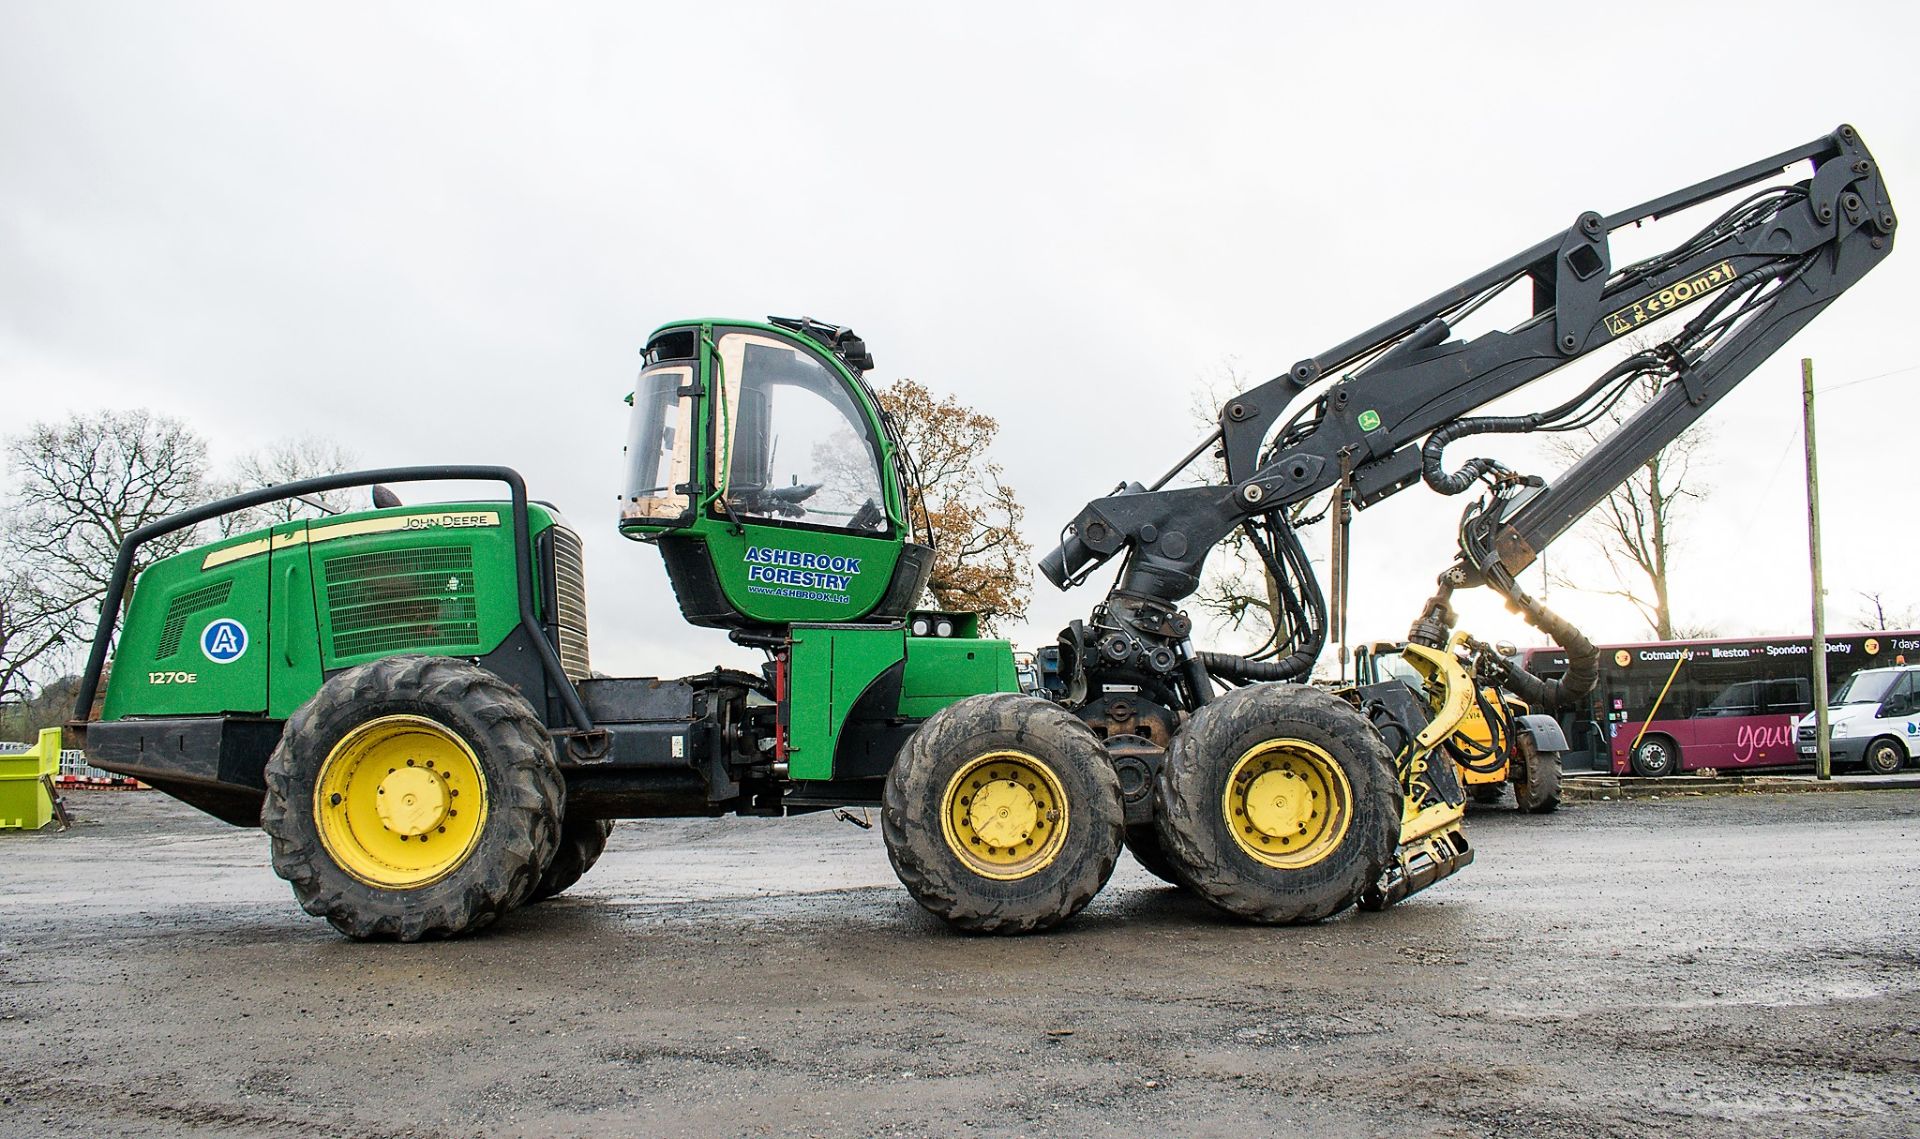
[[1742, 699], [1793, 696]]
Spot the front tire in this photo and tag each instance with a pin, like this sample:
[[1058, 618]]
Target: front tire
[[1537, 791], [413, 797], [1656, 757], [1278, 804], [1885, 757], [1002, 814]]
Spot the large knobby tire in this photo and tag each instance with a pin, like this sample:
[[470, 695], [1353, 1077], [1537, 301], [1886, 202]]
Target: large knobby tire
[[1002, 814], [1143, 842], [414, 797], [581, 843], [1655, 757], [1884, 757], [1278, 804]]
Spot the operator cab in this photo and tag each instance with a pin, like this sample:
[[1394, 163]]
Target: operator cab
[[759, 461]]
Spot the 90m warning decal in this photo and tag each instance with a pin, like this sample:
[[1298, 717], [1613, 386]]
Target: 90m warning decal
[[798, 574], [1670, 298]]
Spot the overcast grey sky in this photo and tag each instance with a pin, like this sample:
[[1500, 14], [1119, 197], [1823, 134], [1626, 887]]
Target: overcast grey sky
[[439, 233]]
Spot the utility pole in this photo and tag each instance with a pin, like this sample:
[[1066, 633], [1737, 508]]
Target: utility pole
[[1823, 761]]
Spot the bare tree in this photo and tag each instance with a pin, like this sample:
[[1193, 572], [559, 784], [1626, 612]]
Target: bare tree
[[1636, 527], [288, 460], [1874, 615], [980, 562], [34, 626], [48, 707], [81, 487]]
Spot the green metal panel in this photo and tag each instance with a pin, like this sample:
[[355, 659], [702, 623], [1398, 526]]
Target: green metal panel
[[414, 580], [828, 670], [776, 575], [293, 666], [304, 597], [942, 670], [196, 639]]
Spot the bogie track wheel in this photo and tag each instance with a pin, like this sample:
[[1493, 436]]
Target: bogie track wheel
[[1278, 804], [413, 797], [1002, 814]]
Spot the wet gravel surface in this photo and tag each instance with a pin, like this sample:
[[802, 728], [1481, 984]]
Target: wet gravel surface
[[1730, 966]]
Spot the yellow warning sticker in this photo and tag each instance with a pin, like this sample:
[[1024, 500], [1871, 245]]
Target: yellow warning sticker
[[1672, 297]]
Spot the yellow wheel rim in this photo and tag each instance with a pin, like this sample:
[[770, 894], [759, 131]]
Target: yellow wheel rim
[[1287, 803], [1005, 815], [401, 802]]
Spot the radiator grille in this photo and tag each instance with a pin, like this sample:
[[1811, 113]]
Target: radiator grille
[[403, 601], [183, 608], [570, 608]]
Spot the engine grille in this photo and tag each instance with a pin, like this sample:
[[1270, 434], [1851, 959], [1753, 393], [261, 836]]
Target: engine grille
[[570, 608], [403, 600], [183, 608]]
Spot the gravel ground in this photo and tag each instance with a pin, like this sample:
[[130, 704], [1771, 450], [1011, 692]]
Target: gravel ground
[[1731, 966]]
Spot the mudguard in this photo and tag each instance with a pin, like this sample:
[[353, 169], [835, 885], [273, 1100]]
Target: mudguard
[[1545, 730]]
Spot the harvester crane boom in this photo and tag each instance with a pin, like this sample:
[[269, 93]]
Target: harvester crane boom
[[1375, 413]]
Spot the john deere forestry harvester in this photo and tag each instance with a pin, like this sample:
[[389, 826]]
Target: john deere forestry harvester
[[403, 697]]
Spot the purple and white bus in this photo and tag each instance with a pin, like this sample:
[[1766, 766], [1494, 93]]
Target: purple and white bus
[[1665, 707]]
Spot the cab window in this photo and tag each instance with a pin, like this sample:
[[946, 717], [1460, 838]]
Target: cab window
[[659, 443], [794, 446]]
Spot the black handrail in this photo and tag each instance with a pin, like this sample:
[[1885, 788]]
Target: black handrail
[[522, 563]]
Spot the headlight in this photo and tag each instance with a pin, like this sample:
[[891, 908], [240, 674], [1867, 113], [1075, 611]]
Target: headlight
[[1840, 730]]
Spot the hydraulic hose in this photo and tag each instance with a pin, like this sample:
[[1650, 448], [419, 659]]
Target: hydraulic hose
[[1583, 659], [1457, 482], [1247, 670], [1300, 593]]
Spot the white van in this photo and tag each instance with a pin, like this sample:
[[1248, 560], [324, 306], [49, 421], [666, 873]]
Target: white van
[[1875, 720]]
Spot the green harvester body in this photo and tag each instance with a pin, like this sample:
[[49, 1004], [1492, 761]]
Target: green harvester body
[[222, 643]]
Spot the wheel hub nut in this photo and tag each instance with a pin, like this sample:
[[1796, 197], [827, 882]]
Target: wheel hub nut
[[412, 801], [1003, 813]]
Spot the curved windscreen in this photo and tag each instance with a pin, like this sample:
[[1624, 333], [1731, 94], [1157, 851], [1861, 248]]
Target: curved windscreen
[[794, 443]]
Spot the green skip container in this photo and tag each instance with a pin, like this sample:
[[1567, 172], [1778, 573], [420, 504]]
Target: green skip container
[[26, 801]]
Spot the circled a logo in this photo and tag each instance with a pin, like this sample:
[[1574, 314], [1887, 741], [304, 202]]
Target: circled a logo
[[1872, 646], [1623, 658], [224, 640]]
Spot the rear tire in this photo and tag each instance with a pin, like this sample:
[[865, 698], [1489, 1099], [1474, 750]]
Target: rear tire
[[1656, 757], [1278, 803], [1884, 757], [1002, 814], [581, 844], [386, 854], [1144, 844]]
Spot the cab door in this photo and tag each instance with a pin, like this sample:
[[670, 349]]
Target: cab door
[[810, 512]]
